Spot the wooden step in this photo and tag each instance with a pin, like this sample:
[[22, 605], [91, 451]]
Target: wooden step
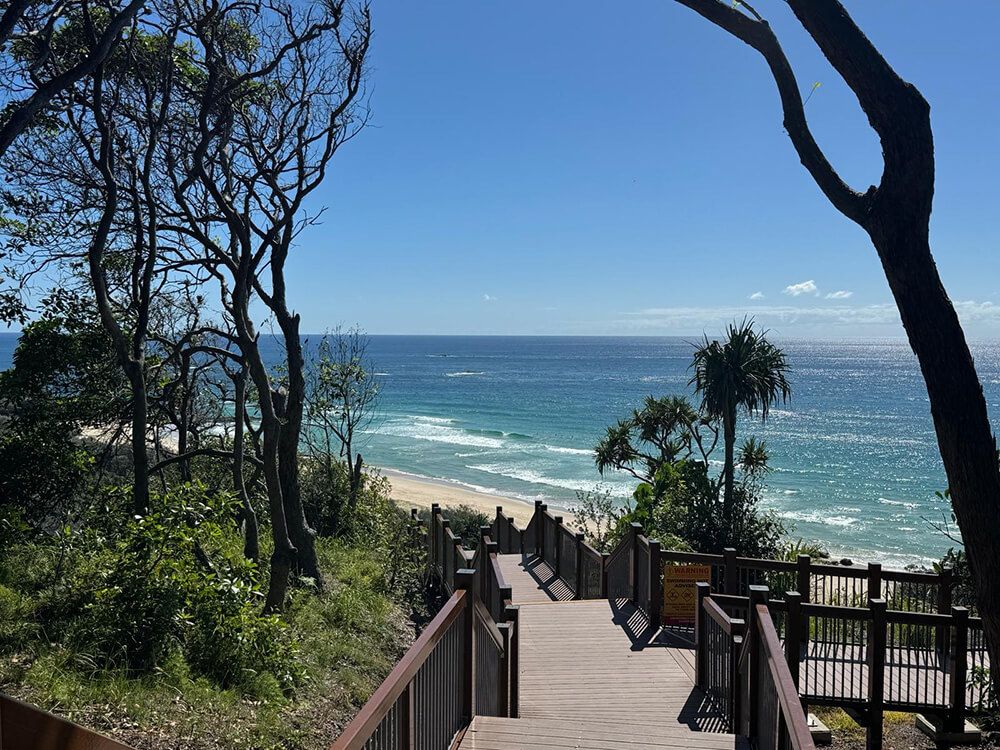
[[489, 733]]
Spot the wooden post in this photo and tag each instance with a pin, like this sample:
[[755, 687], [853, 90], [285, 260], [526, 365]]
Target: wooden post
[[702, 591], [732, 582], [435, 553], [557, 543], [803, 563], [457, 559], [793, 626], [655, 587], [506, 595], [444, 550], [464, 581], [874, 582], [605, 556], [487, 573], [944, 600], [634, 567], [739, 628], [958, 667], [503, 670], [511, 614], [499, 524], [876, 674], [578, 594], [540, 531], [758, 595], [538, 527]]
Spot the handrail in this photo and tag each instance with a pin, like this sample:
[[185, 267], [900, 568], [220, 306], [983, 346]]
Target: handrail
[[25, 726], [357, 733], [497, 571], [487, 619], [794, 719], [718, 614], [623, 546]]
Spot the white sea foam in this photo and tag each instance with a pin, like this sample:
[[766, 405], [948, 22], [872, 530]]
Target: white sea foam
[[435, 432], [901, 503], [430, 420], [524, 474], [462, 374], [824, 519], [569, 451]]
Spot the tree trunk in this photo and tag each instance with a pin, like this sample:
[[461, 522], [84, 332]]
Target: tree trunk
[[140, 457], [355, 479], [284, 555], [184, 416], [251, 529], [302, 535], [729, 440], [965, 438]]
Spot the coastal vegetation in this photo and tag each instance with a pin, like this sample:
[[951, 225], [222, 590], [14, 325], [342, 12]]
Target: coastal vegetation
[[668, 444], [178, 566], [193, 551]]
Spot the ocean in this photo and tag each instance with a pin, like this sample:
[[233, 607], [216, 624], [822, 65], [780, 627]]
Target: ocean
[[854, 458]]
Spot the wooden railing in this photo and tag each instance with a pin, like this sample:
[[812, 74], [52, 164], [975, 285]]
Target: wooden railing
[[24, 727], [742, 668], [775, 717], [719, 640], [823, 582], [494, 590], [865, 658], [463, 665], [446, 552]]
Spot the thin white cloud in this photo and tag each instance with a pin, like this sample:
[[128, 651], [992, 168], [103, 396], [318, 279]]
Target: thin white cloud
[[489, 298], [788, 317], [840, 294], [757, 295], [803, 287]]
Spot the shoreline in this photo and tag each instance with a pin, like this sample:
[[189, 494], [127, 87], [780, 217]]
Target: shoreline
[[410, 491], [413, 491]]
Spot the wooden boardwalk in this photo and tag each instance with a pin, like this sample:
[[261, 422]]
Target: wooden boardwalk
[[592, 675]]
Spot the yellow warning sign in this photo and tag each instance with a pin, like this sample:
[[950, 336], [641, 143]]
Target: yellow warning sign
[[679, 597]]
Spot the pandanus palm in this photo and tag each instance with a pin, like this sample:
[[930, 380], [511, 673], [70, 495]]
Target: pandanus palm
[[745, 372]]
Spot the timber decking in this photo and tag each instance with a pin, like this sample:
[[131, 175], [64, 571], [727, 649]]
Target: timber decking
[[592, 675], [532, 581]]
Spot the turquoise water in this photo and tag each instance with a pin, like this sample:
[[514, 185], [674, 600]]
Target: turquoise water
[[854, 456]]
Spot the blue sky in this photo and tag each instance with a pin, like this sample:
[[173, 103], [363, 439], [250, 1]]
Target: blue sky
[[596, 168]]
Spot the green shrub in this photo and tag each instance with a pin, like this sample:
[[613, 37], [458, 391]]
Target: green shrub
[[228, 640], [465, 521], [176, 578], [16, 619]]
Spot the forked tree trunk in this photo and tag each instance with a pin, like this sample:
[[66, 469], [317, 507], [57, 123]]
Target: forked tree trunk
[[293, 403], [896, 215]]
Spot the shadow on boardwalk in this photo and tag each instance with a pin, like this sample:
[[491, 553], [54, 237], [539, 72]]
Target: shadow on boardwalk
[[597, 664]]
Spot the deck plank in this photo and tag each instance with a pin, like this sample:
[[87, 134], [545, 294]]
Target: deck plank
[[593, 675]]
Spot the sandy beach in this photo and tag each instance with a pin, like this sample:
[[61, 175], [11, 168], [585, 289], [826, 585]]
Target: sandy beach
[[417, 492]]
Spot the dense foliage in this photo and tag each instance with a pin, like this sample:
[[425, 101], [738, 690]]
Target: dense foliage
[[668, 445]]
